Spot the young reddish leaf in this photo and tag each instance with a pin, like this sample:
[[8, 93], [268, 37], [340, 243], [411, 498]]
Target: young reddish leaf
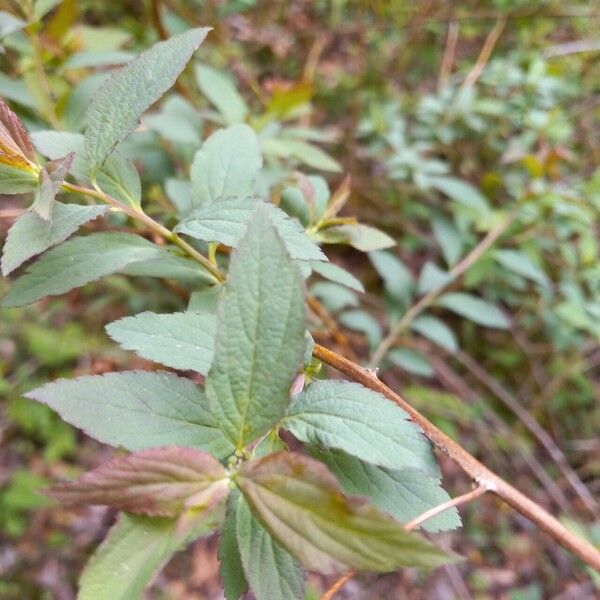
[[159, 482], [299, 501], [15, 145], [52, 176]]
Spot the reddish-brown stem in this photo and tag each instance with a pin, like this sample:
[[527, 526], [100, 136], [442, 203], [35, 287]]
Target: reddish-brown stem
[[483, 476]]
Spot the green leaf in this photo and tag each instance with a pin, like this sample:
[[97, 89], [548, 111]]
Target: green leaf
[[221, 91], [461, 192], [475, 309], [16, 181], [164, 482], [226, 166], [519, 263], [182, 340], [396, 277], [136, 410], [363, 322], [260, 335], [117, 177], [432, 277], [410, 361], [350, 417], [403, 494], [231, 570], [359, 236], [178, 121], [449, 239], [226, 222], [333, 295], [171, 266], [77, 262], [9, 24], [299, 502], [136, 548], [273, 574], [337, 275], [116, 109], [435, 330], [309, 154], [52, 177], [30, 235], [42, 7]]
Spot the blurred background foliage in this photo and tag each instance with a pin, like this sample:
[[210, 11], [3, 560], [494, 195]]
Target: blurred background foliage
[[470, 134]]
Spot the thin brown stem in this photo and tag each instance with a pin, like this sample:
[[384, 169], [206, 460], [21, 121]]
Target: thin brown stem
[[430, 297], [485, 54], [449, 53], [153, 225], [476, 470], [436, 510], [337, 586]]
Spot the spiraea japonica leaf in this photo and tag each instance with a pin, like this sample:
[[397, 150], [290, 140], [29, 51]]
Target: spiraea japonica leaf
[[362, 237], [300, 503], [231, 570], [475, 309], [116, 108], [273, 574], [182, 340], [157, 482], [136, 548], [136, 410], [15, 145], [226, 166], [16, 180], [335, 273], [226, 222], [260, 335], [403, 493], [77, 262], [220, 90], [350, 417], [31, 235]]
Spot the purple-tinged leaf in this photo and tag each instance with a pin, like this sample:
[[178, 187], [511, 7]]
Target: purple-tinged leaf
[[15, 145], [300, 503], [158, 482]]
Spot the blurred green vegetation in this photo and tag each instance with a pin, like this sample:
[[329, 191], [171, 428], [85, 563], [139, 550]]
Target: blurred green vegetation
[[456, 121]]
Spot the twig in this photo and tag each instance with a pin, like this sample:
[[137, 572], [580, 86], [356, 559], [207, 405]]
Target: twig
[[469, 464], [449, 53], [484, 55], [533, 427], [436, 510], [413, 524], [428, 299]]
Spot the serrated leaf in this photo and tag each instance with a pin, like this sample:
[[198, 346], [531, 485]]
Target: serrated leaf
[[117, 177], [14, 180], [403, 494], [182, 340], [30, 235], [273, 574], [410, 361], [475, 309], [77, 262], [260, 335], [350, 417], [359, 236], [231, 570], [162, 482], [226, 166], [170, 266], [136, 410], [52, 176], [299, 501], [221, 91], [337, 275], [136, 548], [116, 109], [519, 263], [435, 330], [226, 222]]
